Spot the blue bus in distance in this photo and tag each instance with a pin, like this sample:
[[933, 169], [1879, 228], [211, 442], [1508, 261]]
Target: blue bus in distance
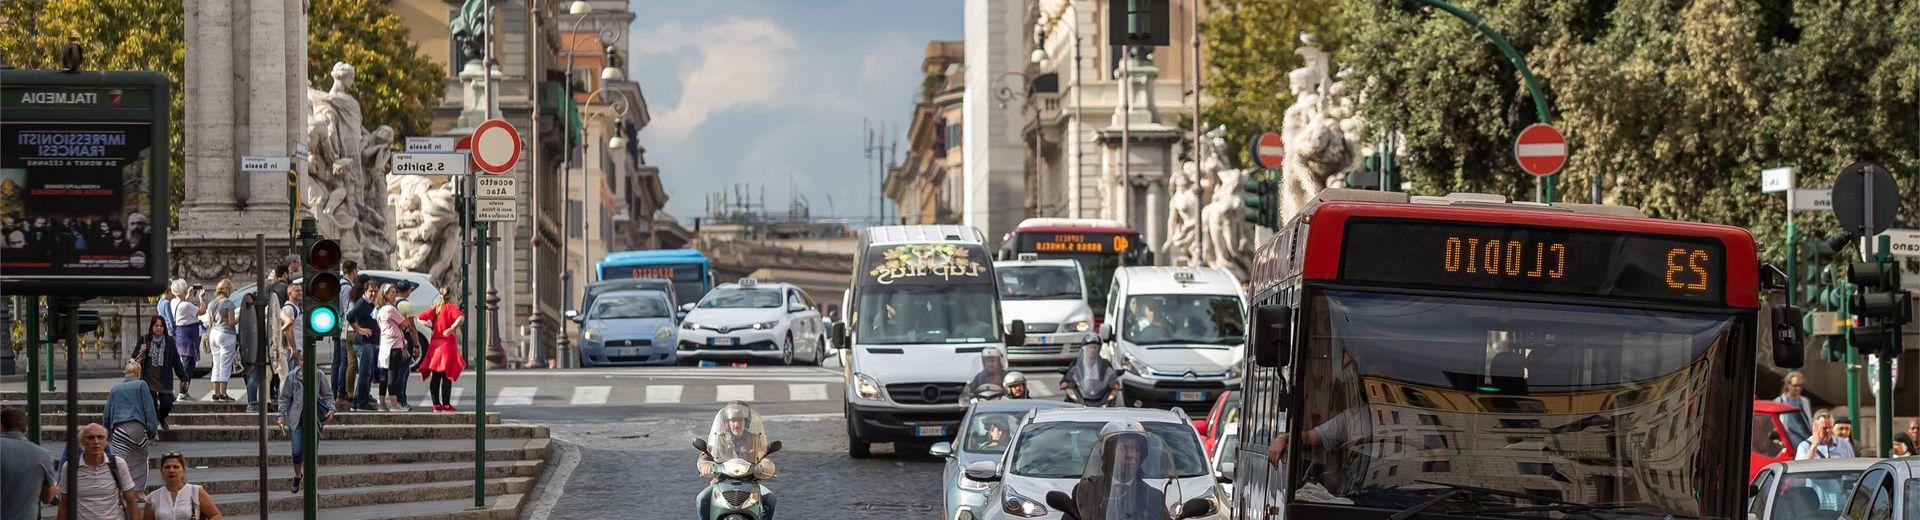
[[690, 271]]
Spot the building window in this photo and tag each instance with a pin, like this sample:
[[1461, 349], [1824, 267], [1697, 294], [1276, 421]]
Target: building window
[[1429, 420], [1396, 417], [1520, 423], [1535, 468], [575, 216], [1437, 466], [1436, 442]]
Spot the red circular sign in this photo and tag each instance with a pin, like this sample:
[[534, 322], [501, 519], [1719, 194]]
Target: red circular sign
[[1269, 150], [496, 146], [1540, 149]]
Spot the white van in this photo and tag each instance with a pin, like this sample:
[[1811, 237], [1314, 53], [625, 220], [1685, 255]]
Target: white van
[[1050, 296], [1178, 334], [921, 309]]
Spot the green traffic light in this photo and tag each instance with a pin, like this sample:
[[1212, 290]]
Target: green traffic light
[[322, 320]]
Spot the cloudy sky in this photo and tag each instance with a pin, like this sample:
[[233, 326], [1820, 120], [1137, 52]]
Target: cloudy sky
[[773, 92]]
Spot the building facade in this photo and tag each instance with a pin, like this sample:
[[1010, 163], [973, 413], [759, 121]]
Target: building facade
[[925, 186]]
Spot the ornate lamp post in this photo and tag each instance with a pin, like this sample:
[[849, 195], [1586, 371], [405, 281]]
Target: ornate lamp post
[[607, 34]]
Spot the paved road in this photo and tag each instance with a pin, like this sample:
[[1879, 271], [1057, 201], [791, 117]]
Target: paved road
[[626, 435]]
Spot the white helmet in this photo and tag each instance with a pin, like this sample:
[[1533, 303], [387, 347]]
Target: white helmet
[[1014, 378]]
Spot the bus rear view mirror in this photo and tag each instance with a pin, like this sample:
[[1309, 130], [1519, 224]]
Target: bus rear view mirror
[[1789, 340], [840, 334], [1272, 329]]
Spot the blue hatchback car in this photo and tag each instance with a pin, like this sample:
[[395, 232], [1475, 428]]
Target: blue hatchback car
[[628, 328]]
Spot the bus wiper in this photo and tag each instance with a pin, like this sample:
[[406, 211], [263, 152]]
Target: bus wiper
[[1454, 490]]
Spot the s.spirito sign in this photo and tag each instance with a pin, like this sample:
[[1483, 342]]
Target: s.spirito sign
[[429, 163]]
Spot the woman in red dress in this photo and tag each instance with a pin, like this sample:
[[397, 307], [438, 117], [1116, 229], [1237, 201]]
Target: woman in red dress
[[443, 363]]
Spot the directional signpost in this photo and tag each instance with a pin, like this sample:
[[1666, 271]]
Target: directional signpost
[[496, 149], [264, 163], [432, 144], [1806, 200], [428, 163]]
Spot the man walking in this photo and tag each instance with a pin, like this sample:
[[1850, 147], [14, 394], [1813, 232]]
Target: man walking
[[1791, 394], [292, 405], [366, 345], [104, 490], [26, 470]]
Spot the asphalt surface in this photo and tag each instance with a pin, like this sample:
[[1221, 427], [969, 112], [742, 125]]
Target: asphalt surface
[[625, 451]]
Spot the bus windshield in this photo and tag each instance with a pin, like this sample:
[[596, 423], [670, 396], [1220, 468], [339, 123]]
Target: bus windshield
[[1153, 319], [920, 314], [1038, 282], [689, 280], [1409, 396]]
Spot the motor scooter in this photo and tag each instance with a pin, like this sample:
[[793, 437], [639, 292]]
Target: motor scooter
[[737, 490]]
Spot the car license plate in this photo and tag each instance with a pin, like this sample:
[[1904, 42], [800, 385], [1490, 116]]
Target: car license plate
[[930, 431], [723, 342], [1191, 396]]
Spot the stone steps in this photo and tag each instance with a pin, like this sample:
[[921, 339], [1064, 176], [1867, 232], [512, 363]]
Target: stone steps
[[249, 420], [502, 507], [189, 434], [280, 454], [243, 480], [248, 504], [95, 408]]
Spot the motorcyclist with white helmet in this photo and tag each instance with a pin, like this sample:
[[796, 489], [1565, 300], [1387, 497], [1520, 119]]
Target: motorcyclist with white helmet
[[737, 433], [1016, 385]]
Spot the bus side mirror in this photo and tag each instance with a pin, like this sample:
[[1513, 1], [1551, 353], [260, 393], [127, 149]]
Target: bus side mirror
[[1017, 333], [840, 334], [1272, 330], [1789, 340]]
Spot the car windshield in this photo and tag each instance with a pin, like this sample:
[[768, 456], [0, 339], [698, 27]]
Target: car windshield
[[920, 314], [1153, 319], [630, 307], [741, 298], [989, 433], [1038, 282], [1812, 495], [1592, 405], [1059, 449]]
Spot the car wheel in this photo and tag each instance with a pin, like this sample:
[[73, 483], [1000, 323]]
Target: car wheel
[[786, 352], [820, 351], [856, 448]]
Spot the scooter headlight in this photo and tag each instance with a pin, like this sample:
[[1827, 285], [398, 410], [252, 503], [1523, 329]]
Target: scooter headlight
[[736, 468], [747, 498]]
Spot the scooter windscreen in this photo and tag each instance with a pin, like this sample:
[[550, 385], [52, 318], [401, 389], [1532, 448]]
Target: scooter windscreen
[[1094, 375], [1129, 476], [737, 433]]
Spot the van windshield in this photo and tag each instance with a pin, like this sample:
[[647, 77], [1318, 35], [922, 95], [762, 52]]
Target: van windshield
[[1038, 282], [919, 314], [1153, 319]]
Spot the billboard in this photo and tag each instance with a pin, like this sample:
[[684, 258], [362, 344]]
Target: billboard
[[83, 183]]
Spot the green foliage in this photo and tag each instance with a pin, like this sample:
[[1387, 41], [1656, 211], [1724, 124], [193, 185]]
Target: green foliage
[[1248, 47], [117, 35], [396, 86]]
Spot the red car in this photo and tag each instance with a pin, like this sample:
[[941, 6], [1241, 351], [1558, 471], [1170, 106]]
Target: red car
[[1777, 430], [1226, 410]]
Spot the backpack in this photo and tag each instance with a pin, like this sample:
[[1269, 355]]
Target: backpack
[[113, 468]]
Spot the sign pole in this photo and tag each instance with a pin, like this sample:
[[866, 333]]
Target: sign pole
[[34, 369], [68, 309], [480, 372]]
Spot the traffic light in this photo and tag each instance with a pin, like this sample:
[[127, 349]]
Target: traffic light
[[1879, 306], [1139, 22], [322, 305], [1262, 199], [1812, 276]]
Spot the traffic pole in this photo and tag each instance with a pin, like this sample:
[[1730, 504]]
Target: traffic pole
[[1883, 399], [480, 372], [34, 369], [69, 308], [262, 383]]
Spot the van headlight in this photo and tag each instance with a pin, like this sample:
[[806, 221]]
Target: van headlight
[[865, 387], [590, 335], [1135, 364], [663, 332], [1080, 326]]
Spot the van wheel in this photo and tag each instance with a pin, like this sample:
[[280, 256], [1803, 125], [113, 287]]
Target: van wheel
[[856, 447]]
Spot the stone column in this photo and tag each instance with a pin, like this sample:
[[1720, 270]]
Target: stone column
[[245, 86]]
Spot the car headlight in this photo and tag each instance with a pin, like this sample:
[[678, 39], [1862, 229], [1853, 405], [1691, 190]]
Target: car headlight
[[663, 333], [1081, 326], [1135, 364], [766, 325], [590, 335], [753, 497], [1021, 506], [688, 325], [968, 484], [865, 387], [1233, 371]]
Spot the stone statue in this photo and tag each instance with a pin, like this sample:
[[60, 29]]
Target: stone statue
[[1229, 241], [1183, 217], [426, 228], [346, 181], [468, 31], [1322, 130]]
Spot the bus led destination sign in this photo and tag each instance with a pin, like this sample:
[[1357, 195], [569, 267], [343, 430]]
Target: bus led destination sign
[[1536, 260], [1078, 243]]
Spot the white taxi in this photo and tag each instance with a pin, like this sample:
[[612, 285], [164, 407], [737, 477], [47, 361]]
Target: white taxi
[[752, 320]]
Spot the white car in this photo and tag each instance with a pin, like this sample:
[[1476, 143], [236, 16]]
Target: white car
[[752, 320], [1051, 297]]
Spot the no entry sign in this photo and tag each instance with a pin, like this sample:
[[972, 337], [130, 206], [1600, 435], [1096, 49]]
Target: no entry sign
[[1540, 149], [1269, 150], [496, 146]]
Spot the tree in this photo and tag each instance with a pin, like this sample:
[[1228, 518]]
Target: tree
[[1248, 47], [396, 86], [116, 35]]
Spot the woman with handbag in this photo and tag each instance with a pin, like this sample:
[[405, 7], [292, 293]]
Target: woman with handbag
[[220, 336], [158, 364], [178, 500], [186, 332], [393, 347], [442, 364]]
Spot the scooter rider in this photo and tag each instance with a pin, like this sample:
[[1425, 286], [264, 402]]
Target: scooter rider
[[1093, 377], [1127, 477], [740, 436], [1016, 384], [991, 371]]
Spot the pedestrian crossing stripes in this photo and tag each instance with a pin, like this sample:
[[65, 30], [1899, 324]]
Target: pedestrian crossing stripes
[[660, 394], [812, 392], [591, 394], [1040, 390], [515, 396], [724, 393]]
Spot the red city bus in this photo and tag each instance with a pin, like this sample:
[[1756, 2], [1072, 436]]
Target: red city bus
[[1101, 246], [1467, 354]]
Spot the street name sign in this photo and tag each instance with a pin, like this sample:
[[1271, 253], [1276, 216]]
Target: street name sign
[[265, 163], [498, 187], [496, 146], [496, 210], [1540, 149], [432, 144], [1269, 150], [1903, 242], [1812, 199], [1776, 180], [428, 163]]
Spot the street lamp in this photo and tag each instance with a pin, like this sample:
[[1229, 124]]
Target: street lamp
[[607, 34], [1039, 57]]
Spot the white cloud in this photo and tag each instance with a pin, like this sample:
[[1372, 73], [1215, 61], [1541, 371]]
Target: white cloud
[[739, 62]]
